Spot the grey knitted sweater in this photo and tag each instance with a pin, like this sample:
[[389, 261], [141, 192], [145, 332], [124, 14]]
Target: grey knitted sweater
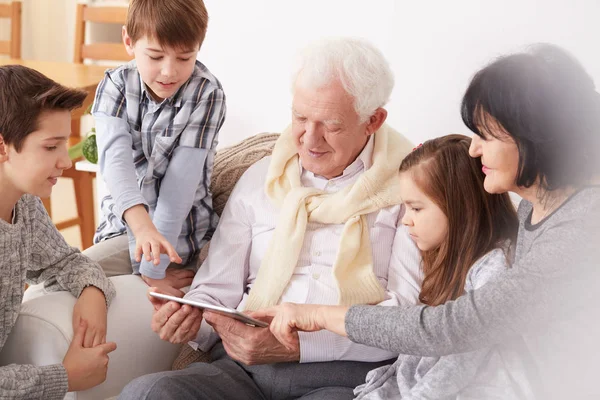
[[549, 298], [33, 251]]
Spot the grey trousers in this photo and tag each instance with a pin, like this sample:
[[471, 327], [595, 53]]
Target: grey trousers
[[113, 256], [227, 379]]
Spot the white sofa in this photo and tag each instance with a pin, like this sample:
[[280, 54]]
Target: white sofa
[[44, 330]]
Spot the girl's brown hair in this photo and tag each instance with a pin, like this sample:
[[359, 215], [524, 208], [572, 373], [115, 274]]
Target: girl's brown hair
[[478, 222]]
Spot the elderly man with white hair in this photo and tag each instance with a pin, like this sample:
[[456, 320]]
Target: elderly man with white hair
[[318, 222]]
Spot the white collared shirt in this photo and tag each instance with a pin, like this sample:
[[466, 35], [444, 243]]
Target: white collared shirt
[[243, 236]]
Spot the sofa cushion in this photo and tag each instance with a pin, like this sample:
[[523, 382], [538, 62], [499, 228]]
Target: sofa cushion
[[231, 163]]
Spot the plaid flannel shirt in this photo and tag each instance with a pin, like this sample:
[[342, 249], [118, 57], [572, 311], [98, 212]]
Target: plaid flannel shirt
[[192, 117]]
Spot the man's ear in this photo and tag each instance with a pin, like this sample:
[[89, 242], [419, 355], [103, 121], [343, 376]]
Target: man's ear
[[127, 41], [376, 120]]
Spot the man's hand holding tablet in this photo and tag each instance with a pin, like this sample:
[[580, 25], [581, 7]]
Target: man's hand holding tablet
[[228, 312], [172, 321]]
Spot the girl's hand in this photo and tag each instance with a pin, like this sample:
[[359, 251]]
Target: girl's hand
[[289, 318], [91, 309]]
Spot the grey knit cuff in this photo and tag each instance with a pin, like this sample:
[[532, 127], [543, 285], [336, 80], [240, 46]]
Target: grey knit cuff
[[100, 281], [55, 381], [354, 323]]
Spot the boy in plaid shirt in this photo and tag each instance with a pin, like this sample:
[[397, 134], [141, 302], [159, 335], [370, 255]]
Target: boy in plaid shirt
[[157, 120]]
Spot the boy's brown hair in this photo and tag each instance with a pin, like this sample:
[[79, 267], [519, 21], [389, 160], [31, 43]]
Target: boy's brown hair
[[24, 95], [180, 24]]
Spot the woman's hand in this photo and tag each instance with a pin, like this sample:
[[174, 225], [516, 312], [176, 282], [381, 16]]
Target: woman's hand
[[288, 318]]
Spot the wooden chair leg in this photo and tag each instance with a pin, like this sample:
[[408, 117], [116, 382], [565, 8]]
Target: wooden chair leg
[[76, 127], [84, 197], [48, 206]]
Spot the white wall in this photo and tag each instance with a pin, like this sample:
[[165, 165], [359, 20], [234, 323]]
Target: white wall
[[48, 29], [434, 48]]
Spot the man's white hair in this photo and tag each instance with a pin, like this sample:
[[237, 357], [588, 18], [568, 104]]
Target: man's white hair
[[361, 68]]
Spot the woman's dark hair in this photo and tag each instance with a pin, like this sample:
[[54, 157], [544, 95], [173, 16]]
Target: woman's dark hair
[[547, 103]]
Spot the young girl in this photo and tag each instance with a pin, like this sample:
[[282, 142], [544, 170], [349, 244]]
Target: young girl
[[464, 235]]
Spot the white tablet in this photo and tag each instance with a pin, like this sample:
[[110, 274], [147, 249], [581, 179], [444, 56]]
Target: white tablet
[[229, 312]]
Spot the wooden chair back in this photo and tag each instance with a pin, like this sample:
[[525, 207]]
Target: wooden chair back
[[12, 11], [98, 51]]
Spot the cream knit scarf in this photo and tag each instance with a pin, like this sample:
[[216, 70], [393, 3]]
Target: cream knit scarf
[[376, 188]]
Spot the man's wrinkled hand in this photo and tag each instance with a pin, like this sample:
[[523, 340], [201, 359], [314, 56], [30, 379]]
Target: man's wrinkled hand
[[251, 345], [173, 322]]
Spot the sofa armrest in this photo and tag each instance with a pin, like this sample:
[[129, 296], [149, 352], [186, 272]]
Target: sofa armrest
[[44, 330]]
